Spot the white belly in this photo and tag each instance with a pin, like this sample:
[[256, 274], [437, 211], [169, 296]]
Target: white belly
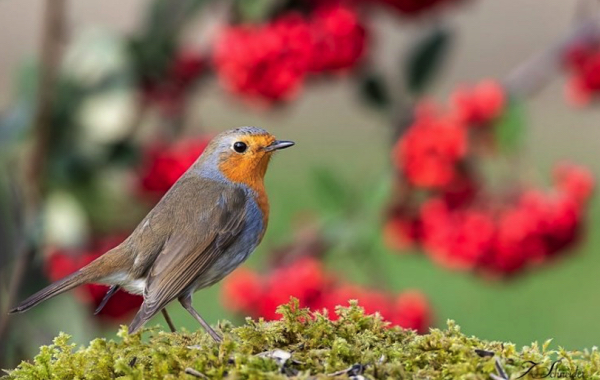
[[133, 286]]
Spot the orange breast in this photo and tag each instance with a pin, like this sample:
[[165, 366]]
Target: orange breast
[[263, 205], [249, 171]]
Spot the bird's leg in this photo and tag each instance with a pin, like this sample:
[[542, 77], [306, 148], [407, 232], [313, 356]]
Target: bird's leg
[[186, 302], [168, 319]]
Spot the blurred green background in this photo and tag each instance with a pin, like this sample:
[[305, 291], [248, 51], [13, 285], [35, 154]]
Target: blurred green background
[[333, 129]]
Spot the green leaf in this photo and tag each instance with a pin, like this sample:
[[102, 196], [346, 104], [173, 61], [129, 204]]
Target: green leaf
[[168, 17], [374, 90], [425, 59], [509, 129], [124, 153], [255, 10]]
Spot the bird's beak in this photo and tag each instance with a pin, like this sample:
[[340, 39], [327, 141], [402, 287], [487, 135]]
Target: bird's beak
[[278, 144]]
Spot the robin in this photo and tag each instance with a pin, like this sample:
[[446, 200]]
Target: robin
[[203, 228]]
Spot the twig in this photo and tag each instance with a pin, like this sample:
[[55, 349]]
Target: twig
[[501, 372], [52, 36], [532, 75], [193, 372]]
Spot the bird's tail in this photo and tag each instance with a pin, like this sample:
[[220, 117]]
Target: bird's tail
[[94, 271]]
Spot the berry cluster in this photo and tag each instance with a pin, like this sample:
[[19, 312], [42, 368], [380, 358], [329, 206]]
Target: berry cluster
[[432, 151], [583, 61], [503, 239], [460, 224], [270, 62], [246, 292], [163, 164], [62, 263]]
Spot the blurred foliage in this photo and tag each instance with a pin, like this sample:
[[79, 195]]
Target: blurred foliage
[[156, 45], [351, 217], [254, 11], [510, 129], [374, 91]]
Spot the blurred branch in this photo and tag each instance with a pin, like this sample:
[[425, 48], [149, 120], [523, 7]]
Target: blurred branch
[[532, 75], [52, 37], [529, 77]]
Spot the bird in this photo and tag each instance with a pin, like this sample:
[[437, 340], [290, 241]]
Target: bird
[[204, 227]]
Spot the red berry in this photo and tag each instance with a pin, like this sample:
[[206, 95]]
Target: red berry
[[412, 311], [480, 104], [576, 181], [430, 150], [242, 291], [163, 164], [456, 239], [583, 60], [338, 38]]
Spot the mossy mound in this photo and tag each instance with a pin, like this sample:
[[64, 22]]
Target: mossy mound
[[354, 346]]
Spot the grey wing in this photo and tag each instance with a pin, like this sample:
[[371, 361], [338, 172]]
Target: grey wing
[[191, 251]]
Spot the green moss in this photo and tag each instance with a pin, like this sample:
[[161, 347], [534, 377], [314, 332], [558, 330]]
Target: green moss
[[318, 347]]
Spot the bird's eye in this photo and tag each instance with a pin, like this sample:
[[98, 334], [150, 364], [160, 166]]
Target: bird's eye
[[240, 147]]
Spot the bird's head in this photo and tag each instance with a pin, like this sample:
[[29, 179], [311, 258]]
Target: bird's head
[[243, 154]]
